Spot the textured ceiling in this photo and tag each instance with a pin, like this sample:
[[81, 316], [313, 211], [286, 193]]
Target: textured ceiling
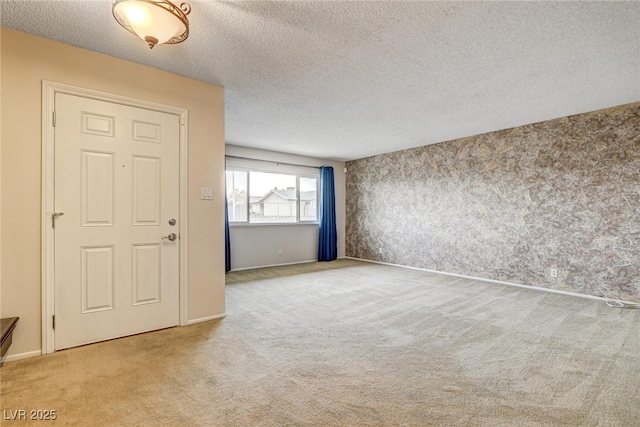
[[346, 80]]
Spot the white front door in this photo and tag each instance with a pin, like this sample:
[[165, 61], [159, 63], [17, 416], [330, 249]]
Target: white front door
[[116, 199]]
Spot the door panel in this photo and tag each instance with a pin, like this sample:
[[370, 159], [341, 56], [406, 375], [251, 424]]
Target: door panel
[[97, 279], [146, 274], [117, 183], [146, 190], [98, 190]]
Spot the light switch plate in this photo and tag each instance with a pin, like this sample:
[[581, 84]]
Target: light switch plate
[[206, 193]]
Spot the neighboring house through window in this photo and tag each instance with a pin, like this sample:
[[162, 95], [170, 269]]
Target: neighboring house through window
[[261, 196]]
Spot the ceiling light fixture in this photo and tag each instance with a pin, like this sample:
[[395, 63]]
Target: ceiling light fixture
[[154, 21]]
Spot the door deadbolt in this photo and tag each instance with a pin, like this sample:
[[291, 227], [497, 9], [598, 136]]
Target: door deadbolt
[[172, 237], [172, 221]]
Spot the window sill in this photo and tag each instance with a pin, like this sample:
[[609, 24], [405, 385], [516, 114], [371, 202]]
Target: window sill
[[271, 224]]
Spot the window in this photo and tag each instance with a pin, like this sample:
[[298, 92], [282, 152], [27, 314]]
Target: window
[[270, 197], [308, 199], [237, 195]]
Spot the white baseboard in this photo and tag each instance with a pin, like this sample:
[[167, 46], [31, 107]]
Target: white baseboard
[[482, 279], [273, 265], [12, 357], [206, 319]]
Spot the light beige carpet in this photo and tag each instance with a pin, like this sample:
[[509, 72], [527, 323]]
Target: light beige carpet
[[354, 344]]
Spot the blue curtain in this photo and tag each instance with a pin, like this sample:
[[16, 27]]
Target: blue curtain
[[227, 248], [328, 235]]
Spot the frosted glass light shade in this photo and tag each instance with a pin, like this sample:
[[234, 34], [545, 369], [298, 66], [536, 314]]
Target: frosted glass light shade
[[154, 21]]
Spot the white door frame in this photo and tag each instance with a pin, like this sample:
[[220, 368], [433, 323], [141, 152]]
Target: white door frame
[[49, 89]]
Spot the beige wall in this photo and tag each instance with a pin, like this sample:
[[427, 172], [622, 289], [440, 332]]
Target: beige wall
[[257, 245], [26, 61]]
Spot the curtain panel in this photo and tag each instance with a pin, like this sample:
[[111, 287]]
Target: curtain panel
[[328, 235]]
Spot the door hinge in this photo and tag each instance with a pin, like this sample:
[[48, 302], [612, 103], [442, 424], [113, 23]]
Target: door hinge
[[54, 321], [54, 119]]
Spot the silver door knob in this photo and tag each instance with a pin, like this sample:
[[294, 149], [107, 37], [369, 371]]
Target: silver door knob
[[171, 237]]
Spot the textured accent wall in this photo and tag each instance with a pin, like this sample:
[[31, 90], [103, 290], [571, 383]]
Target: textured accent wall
[[510, 205]]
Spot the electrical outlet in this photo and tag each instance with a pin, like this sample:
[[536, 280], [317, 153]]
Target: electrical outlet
[[279, 252], [554, 273], [380, 250]]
